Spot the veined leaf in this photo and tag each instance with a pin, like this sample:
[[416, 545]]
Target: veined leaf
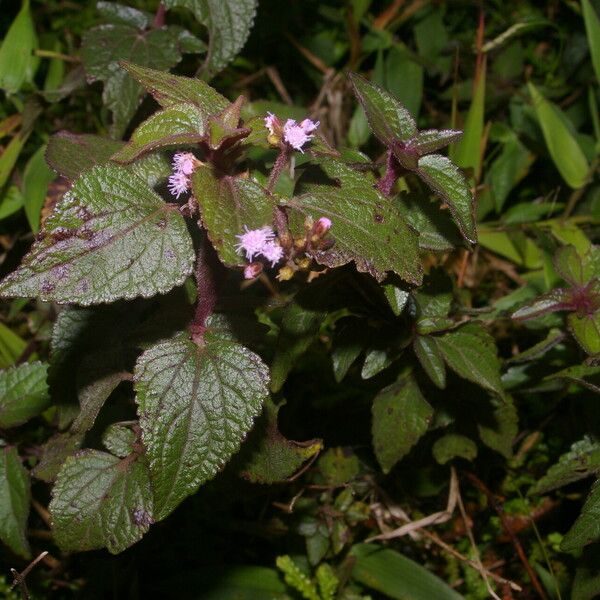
[[581, 461], [564, 149], [367, 227], [401, 416], [430, 140], [586, 330], [168, 89], [100, 500], [70, 154], [586, 528], [592, 29], [104, 46], [388, 118], [268, 457], [179, 124], [229, 23], [126, 15], [23, 393], [446, 180], [15, 496], [196, 404], [431, 359], [452, 446], [119, 439], [17, 61], [110, 237], [227, 206], [471, 352]]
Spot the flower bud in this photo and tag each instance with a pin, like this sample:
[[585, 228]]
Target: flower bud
[[285, 273], [321, 227], [252, 270]]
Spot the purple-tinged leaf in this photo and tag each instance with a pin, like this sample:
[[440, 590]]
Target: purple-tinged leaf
[[569, 265], [388, 118], [430, 140], [110, 237], [555, 300]]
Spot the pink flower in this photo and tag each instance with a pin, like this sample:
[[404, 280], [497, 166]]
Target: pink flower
[[184, 162], [296, 135], [252, 270], [273, 252], [178, 183], [253, 241], [271, 123], [322, 226]]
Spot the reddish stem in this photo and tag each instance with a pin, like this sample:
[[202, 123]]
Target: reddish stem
[[209, 275], [278, 166], [392, 172], [159, 17]]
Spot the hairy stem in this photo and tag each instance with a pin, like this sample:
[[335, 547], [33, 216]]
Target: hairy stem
[[278, 166], [209, 276]]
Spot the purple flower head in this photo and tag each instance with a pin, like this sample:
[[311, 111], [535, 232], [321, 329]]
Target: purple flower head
[[273, 252], [272, 123], [253, 241], [178, 183], [322, 226], [296, 135], [252, 270], [184, 162]]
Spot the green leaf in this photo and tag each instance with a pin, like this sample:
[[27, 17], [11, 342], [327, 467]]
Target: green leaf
[[586, 330], [119, 439], [103, 47], [388, 118], [55, 451], [586, 583], [453, 445], [23, 393], [229, 23], [581, 461], [110, 237], [569, 265], [126, 15], [299, 329], [100, 501], [446, 180], [397, 576], [17, 61], [168, 89], [430, 140], [227, 205], [70, 154], [12, 202], [468, 152], [471, 352], [586, 528], [268, 457], [500, 431], [564, 149], [9, 157], [367, 227], [592, 29], [401, 416], [580, 374], [555, 300], [196, 404], [431, 359], [404, 78], [15, 496], [11, 346], [36, 178], [179, 124]]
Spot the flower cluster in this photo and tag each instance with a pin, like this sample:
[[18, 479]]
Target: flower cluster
[[183, 166], [294, 134], [259, 242]]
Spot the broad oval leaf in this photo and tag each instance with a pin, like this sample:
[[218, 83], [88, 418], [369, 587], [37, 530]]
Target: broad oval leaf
[[401, 415], [100, 500], [389, 120], [471, 352], [179, 124], [367, 227], [445, 179], [15, 496], [196, 404], [564, 149], [110, 237], [229, 23], [453, 445], [227, 205], [23, 393], [431, 359], [168, 89], [586, 330]]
